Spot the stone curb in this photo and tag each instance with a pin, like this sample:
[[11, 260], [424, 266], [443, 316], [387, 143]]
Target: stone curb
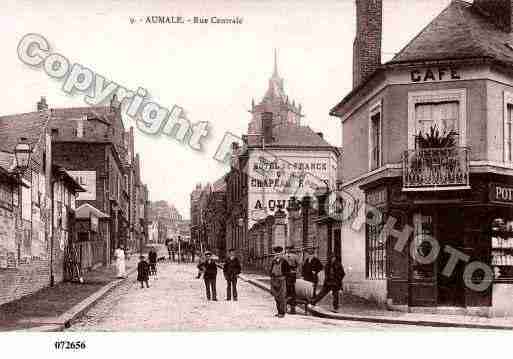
[[316, 311], [64, 320]]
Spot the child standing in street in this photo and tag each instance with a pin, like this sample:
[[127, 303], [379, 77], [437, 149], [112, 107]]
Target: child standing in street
[[143, 272]]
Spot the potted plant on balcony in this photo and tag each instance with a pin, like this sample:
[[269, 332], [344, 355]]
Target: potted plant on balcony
[[434, 161], [436, 139]]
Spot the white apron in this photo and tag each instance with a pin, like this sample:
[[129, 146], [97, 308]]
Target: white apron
[[120, 263]]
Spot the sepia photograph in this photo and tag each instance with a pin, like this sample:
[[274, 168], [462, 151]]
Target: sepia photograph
[[261, 171]]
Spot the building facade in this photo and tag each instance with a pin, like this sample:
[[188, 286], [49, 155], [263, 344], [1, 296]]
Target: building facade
[[430, 139], [36, 208], [90, 143], [279, 159]]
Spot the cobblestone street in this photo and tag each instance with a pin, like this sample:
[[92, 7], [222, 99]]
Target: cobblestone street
[[176, 301]]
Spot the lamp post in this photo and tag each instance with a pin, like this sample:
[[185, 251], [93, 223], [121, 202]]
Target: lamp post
[[22, 153]]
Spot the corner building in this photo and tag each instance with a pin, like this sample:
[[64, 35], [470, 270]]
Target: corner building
[[454, 77]]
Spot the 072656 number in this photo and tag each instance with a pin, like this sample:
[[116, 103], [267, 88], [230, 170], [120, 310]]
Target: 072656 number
[[67, 345]]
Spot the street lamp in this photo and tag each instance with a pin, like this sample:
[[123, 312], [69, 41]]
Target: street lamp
[[22, 153]]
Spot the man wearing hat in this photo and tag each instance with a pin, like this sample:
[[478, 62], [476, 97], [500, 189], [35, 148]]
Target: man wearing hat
[[231, 270], [279, 271], [209, 270], [293, 262]]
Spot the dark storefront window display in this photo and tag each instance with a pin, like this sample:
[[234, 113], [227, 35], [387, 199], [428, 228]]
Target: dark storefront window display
[[375, 252], [502, 247]]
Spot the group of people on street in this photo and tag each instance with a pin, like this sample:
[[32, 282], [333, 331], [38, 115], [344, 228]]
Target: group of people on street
[[284, 272], [231, 269], [180, 251]]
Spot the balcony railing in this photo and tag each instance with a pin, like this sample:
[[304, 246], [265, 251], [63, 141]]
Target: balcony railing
[[435, 169]]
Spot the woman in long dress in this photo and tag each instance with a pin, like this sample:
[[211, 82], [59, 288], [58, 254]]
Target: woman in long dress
[[120, 263]]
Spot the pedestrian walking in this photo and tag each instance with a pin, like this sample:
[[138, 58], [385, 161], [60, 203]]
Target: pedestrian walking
[[333, 277], [293, 261], [173, 251], [193, 254], [120, 262], [231, 270], [152, 259], [169, 246], [143, 272], [311, 268], [278, 272], [208, 269]]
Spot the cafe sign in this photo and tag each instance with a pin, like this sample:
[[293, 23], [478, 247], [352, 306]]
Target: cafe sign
[[500, 193], [434, 74]]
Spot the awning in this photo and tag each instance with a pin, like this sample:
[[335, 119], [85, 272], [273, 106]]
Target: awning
[[85, 211]]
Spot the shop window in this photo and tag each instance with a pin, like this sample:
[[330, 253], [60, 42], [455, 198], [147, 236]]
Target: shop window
[[375, 252], [502, 247]]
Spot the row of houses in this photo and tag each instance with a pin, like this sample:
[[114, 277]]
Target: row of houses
[[208, 217], [167, 224], [427, 140], [76, 198]]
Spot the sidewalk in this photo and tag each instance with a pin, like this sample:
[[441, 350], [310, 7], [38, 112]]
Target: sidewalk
[[52, 308], [354, 308]]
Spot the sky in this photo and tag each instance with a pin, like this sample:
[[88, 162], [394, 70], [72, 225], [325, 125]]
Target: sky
[[211, 70]]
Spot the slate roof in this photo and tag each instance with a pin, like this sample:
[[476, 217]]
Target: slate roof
[[460, 31], [29, 125], [292, 135]]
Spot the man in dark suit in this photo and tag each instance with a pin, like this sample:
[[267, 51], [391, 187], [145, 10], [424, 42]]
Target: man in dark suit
[[152, 259], [209, 270], [279, 271], [333, 276], [293, 261], [231, 270], [311, 268]]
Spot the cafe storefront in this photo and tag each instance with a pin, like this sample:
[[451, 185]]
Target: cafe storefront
[[459, 254]]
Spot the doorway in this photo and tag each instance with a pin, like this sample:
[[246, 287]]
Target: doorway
[[451, 289], [428, 284]]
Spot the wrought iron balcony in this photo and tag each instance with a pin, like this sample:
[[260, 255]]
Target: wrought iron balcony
[[436, 169]]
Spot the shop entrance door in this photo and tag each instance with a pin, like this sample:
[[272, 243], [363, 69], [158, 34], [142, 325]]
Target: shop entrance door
[[451, 289], [422, 284]]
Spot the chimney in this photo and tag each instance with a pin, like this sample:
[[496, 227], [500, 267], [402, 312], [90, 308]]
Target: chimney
[[367, 43], [499, 11], [267, 126], [42, 105]]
